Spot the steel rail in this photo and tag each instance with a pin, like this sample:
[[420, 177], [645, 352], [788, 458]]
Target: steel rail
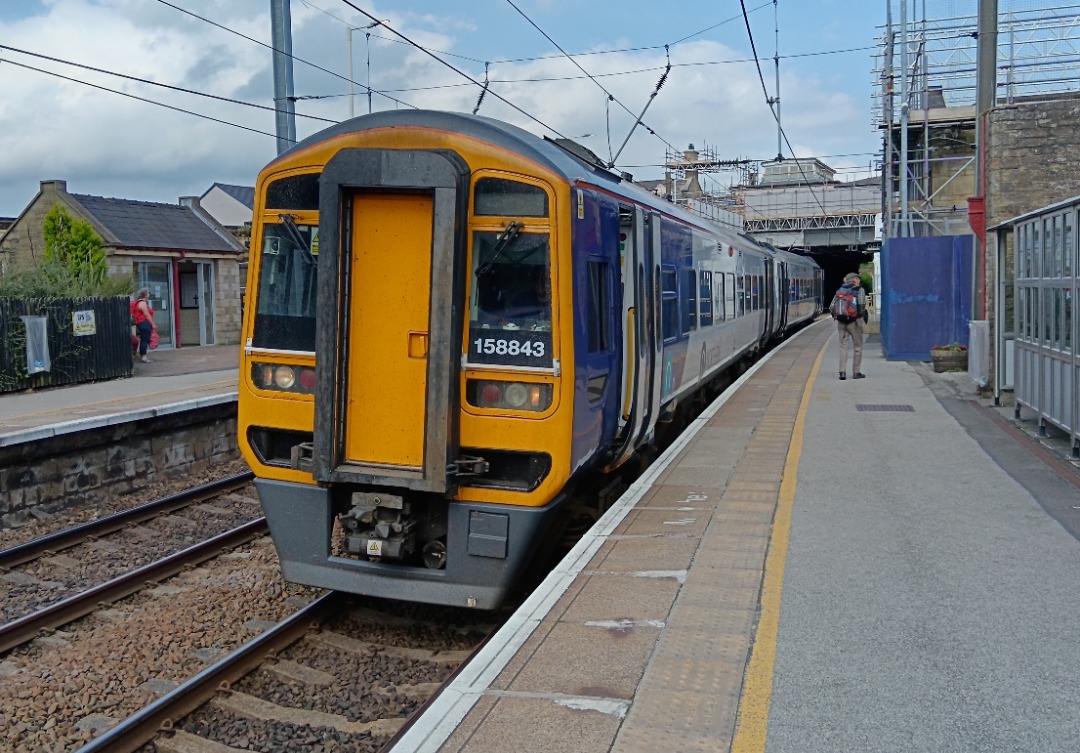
[[70, 537], [140, 728], [26, 628]]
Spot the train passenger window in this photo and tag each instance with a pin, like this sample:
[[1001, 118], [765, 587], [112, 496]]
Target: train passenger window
[[509, 198], [669, 304], [740, 282], [294, 192], [599, 326], [718, 297], [287, 281], [705, 299], [729, 297], [690, 305]]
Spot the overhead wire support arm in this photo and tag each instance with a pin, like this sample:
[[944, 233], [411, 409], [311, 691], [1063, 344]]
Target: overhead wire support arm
[[637, 122], [483, 91]]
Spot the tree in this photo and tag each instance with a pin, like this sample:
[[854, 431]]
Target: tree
[[73, 244]]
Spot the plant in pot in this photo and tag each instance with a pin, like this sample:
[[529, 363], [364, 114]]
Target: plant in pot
[[951, 357]]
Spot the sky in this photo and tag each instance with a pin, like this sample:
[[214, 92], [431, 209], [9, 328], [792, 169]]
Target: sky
[[108, 135]]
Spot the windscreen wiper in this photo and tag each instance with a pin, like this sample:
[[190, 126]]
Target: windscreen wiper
[[512, 231], [297, 237]]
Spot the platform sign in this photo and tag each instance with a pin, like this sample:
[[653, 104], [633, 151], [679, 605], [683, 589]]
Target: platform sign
[[83, 323]]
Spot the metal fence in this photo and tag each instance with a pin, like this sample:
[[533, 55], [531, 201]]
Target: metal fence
[[1045, 281], [86, 340]]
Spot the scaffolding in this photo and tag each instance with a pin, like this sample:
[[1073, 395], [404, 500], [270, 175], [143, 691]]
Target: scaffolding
[[926, 74]]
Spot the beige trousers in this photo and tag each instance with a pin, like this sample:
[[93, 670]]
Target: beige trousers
[[853, 332]]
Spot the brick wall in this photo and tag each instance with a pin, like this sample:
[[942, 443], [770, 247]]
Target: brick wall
[[80, 470]]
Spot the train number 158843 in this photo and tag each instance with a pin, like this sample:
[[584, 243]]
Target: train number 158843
[[498, 346]]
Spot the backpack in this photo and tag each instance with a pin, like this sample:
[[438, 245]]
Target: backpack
[[845, 305]]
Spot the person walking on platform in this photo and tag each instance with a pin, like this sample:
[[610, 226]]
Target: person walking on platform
[[143, 316], [848, 308]]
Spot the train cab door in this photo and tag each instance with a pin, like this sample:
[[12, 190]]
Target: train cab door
[[386, 338], [637, 326]]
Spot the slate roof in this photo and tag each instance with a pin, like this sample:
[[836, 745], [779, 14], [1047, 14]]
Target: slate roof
[[244, 194], [144, 224]]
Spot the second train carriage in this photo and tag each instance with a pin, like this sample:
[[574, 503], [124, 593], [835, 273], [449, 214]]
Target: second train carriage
[[450, 324]]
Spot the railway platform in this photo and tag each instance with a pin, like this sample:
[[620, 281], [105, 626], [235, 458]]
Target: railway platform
[[175, 380], [884, 564]]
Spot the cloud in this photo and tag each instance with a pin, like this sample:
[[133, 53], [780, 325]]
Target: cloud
[[107, 144]]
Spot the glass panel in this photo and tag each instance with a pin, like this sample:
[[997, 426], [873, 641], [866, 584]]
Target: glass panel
[[509, 198], [206, 284], [288, 275], [1067, 246], [690, 304], [1059, 246], [705, 298], [294, 192], [512, 272], [1036, 248], [599, 307], [156, 276], [1047, 324], [670, 300], [1067, 319]]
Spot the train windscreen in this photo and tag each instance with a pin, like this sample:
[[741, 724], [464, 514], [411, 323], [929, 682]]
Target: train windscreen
[[510, 310], [285, 303]]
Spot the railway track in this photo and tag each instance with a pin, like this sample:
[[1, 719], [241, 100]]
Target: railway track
[[107, 556], [80, 670], [338, 672]]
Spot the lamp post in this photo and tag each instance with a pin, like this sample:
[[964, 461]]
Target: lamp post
[[348, 35]]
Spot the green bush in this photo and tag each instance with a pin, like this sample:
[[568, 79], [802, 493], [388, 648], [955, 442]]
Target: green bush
[[74, 264]]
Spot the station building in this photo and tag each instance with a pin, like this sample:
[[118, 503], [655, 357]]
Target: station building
[[188, 260]]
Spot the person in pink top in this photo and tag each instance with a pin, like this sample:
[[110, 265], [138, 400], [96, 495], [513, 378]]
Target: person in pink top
[[143, 316]]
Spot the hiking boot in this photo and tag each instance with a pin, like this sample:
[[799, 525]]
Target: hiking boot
[[858, 375], [843, 375]]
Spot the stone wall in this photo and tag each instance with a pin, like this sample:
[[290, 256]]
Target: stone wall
[[82, 469], [1031, 153]]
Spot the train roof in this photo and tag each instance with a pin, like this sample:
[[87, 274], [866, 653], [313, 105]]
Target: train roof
[[569, 160]]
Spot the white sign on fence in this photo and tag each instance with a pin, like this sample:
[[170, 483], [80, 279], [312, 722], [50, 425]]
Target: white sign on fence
[[83, 323]]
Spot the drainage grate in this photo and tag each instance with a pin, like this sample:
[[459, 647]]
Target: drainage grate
[[885, 406]]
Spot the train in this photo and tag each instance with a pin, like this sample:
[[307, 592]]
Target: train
[[454, 328]]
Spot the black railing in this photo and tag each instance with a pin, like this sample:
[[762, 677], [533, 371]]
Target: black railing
[[89, 339]]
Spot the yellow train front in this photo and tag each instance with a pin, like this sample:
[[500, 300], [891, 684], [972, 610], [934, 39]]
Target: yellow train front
[[453, 328], [407, 333]]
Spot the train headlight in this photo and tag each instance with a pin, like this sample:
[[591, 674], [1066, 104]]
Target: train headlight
[[523, 396], [283, 378], [516, 395]]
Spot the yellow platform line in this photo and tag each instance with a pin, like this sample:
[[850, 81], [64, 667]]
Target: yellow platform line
[[753, 716]]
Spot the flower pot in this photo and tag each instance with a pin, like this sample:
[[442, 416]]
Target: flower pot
[[949, 360]]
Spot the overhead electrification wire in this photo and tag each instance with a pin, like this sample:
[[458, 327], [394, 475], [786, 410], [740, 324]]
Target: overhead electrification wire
[[282, 52], [156, 83], [611, 97], [136, 97], [458, 71]]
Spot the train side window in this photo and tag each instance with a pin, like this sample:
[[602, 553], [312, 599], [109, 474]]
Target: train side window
[[670, 304], [499, 197], [740, 282], [729, 297], [706, 299], [599, 325], [689, 286], [718, 297]]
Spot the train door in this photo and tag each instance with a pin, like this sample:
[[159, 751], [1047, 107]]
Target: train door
[[388, 310], [638, 332], [387, 340]]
